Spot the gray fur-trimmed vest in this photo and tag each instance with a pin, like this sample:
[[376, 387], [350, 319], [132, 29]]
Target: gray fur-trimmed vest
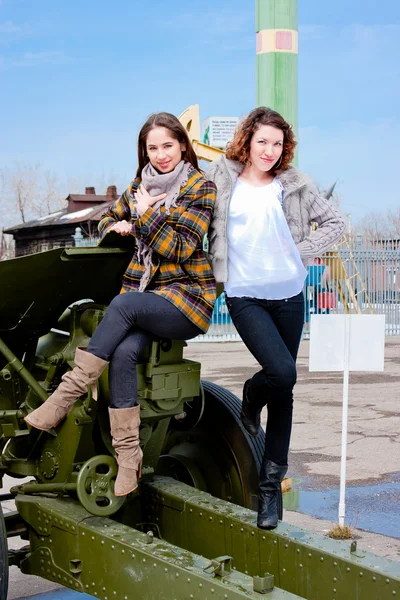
[[302, 205]]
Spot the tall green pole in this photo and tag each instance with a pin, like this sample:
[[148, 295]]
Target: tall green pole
[[277, 57]]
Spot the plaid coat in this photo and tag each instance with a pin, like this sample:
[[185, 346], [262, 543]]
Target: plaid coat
[[181, 271]]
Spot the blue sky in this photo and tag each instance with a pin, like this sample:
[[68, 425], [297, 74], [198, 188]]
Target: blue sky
[[77, 79]]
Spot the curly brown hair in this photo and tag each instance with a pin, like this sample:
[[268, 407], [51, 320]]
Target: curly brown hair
[[239, 148]]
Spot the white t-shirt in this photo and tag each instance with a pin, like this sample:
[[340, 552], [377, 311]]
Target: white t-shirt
[[263, 261]]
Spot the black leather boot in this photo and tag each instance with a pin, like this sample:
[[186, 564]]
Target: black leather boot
[[271, 476], [251, 411]]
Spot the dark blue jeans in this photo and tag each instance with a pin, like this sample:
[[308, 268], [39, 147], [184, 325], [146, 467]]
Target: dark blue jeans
[[271, 330], [130, 323]]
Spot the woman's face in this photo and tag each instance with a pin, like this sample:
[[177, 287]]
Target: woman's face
[[163, 150], [266, 147]]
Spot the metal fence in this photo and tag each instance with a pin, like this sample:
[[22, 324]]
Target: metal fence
[[358, 276]]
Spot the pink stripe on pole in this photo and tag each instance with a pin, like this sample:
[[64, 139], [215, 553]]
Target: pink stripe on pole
[[258, 41], [284, 40]]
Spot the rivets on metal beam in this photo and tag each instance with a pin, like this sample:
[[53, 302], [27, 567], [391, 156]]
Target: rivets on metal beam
[[322, 559]]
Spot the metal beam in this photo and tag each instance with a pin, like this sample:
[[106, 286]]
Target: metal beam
[[303, 563], [109, 560]]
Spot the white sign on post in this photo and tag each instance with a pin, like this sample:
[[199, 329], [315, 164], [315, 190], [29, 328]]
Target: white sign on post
[[218, 131], [346, 343]]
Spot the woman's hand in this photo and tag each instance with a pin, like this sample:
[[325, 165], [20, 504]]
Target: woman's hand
[[122, 227], [144, 200]]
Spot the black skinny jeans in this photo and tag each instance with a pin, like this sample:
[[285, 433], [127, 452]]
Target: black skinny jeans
[[130, 323], [271, 330]]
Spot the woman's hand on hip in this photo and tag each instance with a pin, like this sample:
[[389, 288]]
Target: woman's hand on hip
[[122, 227], [144, 200]]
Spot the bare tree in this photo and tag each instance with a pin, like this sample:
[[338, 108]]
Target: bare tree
[[27, 192], [394, 220], [374, 225]]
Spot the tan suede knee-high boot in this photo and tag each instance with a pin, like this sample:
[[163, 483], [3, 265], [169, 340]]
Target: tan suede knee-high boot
[[74, 384], [124, 423]]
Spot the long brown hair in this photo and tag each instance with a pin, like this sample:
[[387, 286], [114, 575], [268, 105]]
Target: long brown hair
[[239, 147], [177, 131]]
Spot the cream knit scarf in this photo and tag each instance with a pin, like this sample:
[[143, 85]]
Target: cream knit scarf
[[160, 183]]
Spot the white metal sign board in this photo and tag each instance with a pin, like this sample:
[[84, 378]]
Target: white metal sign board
[[218, 131], [362, 335]]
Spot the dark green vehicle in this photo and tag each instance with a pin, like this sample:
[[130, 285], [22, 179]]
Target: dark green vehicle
[[189, 531]]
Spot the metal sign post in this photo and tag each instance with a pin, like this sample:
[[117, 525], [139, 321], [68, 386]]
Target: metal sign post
[[346, 343]]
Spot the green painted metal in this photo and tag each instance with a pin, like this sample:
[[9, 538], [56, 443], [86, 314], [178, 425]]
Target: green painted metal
[[302, 563], [22, 371], [277, 72], [107, 559], [276, 14]]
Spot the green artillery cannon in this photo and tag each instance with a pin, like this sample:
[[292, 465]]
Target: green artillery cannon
[[189, 531]]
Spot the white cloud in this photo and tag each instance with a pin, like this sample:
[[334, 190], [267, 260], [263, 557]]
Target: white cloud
[[221, 23], [11, 29], [34, 59]]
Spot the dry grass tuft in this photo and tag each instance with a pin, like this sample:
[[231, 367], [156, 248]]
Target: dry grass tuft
[[341, 532]]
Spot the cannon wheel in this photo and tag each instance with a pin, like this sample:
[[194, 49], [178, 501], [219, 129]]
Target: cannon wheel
[[216, 455], [3, 558]]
